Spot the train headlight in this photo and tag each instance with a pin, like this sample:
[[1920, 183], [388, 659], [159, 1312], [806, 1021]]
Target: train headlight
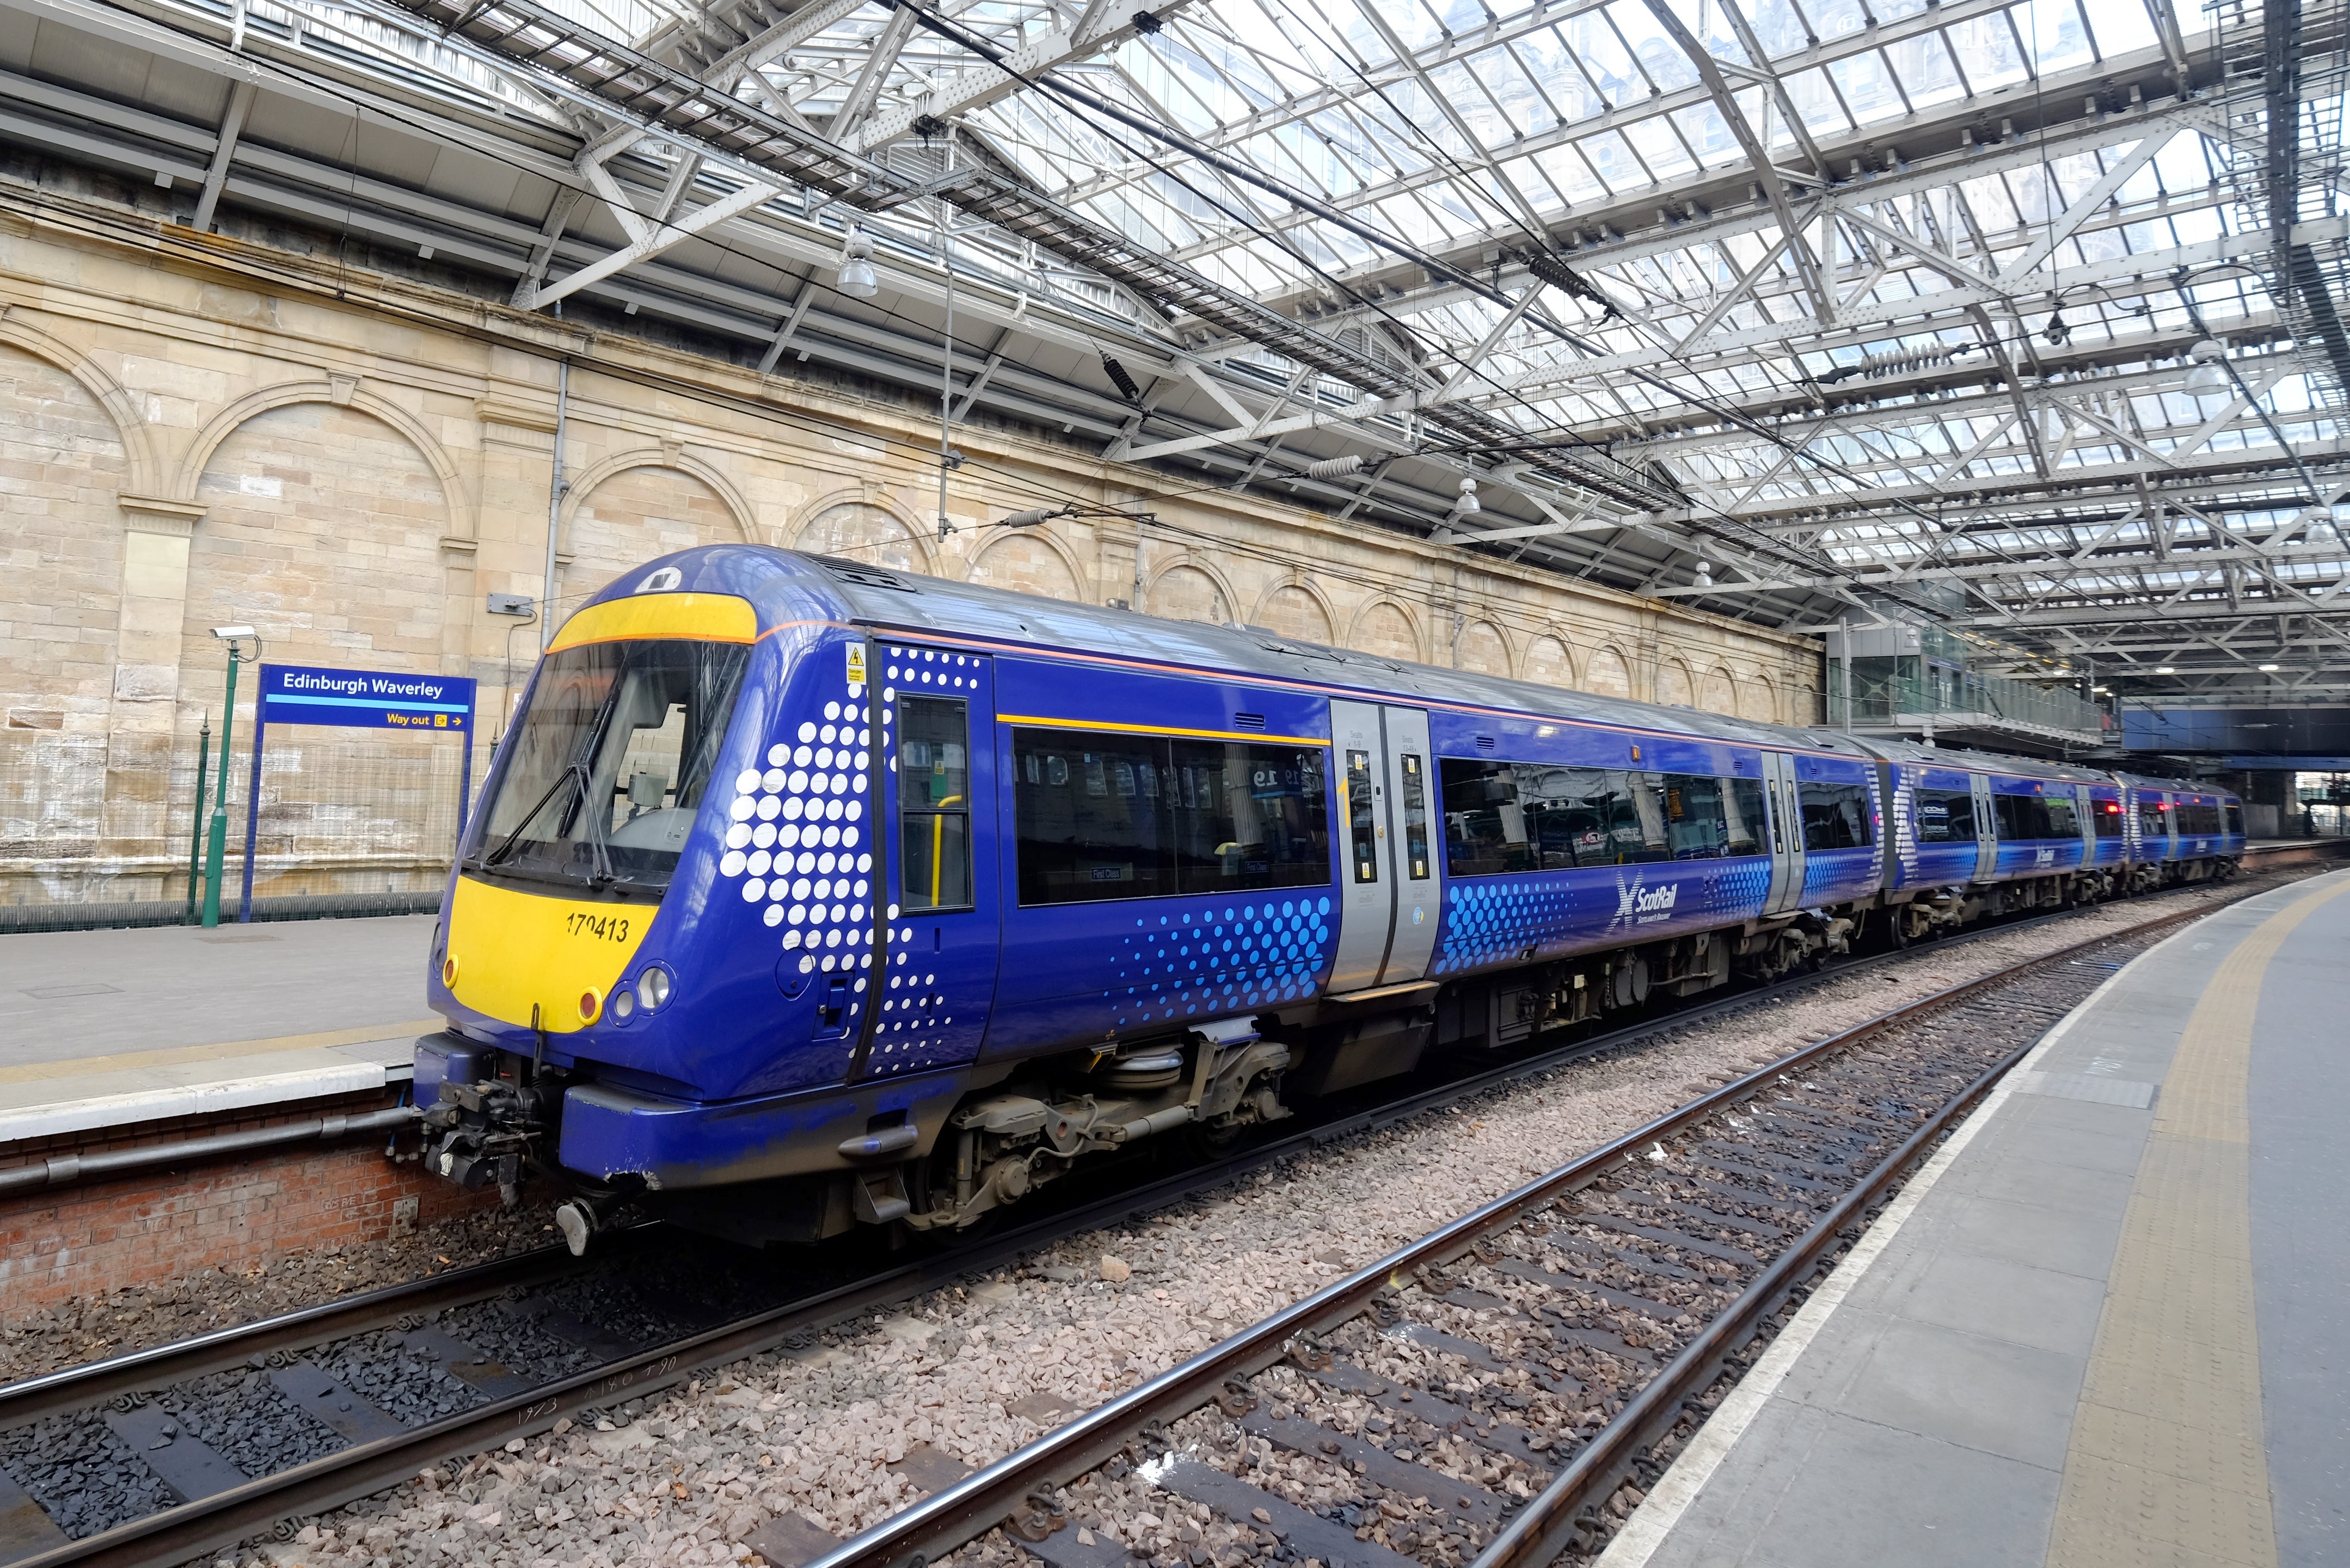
[[653, 988], [624, 1004]]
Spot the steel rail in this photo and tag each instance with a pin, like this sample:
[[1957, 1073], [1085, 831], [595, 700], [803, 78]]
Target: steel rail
[[949, 1517], [94, 1383]]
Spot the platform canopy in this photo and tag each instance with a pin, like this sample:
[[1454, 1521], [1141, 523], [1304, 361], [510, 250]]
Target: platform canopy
[[2017, 318]]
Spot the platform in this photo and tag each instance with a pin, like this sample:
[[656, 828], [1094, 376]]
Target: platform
[[107, 1029], [2104, 1325]]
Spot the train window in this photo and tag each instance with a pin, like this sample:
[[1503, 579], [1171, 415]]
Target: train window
[[1741, 817], [934, 803], [605, 770], [2107, 814], [2153, 819], [1362, 817], [1170, 816], [1946, 816], [2199, 819], [1415, 817], [2063, 821], [2235, 820], [1537, 817], [1836, 815], [2020, 816]]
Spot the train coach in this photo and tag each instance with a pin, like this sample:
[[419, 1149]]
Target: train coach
[[805, 895]]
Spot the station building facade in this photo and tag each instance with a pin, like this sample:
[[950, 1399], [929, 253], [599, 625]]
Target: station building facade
[[203, 430]]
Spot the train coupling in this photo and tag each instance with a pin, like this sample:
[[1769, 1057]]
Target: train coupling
[[482, 1132]]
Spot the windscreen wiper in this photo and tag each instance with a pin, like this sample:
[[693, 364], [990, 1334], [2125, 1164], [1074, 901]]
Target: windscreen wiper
[[506, 846]]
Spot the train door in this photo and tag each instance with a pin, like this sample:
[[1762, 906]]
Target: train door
[[1415, 821], [1365, 865], [1389, 814], [1986, 829], [1786, 803], [940, 897], [2088, 805]]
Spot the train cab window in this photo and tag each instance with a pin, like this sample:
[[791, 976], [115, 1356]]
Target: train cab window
[[1362, 817], [1946, 816], [1836, 815], [2107, 814], [1415, 817], [2235, 819], [603, 774], [934, 803], [1102, 816]]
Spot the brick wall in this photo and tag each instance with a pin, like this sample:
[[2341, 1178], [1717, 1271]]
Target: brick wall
[[229, 1213]]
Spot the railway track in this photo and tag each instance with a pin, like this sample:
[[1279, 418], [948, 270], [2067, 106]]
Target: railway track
[[1495, 1394], [397, 1379]]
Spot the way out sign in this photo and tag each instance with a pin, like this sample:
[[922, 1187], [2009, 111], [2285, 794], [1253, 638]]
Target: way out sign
[[358, 699], [365, 699]]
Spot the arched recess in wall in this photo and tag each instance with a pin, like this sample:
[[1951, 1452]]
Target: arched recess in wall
[[1606, 675], [322, 527], [1030, 561], [347, 394], [143, 475], [1673, 683], [1758, 698], [1189, 589], [634, 506], [1720, 693], [847, 524], [1806, 704], [1547, 662], [1295, 609], [1386, 629], [1483, 648], [62, 466]]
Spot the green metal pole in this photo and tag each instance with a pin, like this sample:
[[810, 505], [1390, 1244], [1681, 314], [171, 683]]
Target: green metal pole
[[196, 818], [218, 848]]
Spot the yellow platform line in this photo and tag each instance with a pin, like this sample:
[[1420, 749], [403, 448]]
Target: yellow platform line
[[130, 1061], [2169, 1459]]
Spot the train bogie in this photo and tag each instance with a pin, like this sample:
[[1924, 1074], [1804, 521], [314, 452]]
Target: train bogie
[[804, 896]]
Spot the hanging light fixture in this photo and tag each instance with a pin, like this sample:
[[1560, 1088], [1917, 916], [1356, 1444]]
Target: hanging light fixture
[[2057, 332], [1703, 577], [858, 278], [2209, 375]]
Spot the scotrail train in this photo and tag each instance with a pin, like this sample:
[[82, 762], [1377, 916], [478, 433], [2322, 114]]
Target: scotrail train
[[804, 895]]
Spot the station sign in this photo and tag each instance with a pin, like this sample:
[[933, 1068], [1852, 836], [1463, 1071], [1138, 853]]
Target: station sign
[[365, 699]]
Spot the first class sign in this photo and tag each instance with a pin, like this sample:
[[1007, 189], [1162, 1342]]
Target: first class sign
[[365, 699]]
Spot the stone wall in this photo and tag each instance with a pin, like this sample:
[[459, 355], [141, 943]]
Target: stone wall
[[196, 430]]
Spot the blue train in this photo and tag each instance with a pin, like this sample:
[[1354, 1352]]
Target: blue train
[[805, 895]]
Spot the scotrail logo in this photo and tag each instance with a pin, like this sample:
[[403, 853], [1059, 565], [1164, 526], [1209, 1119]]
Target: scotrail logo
[[1639, 905]]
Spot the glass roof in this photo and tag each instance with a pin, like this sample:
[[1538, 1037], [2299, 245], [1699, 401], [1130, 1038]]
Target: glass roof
[[1921, 291]]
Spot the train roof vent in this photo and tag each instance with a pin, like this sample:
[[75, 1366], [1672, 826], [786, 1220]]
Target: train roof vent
[[1248, 721], [864, 573], [1484, 742]]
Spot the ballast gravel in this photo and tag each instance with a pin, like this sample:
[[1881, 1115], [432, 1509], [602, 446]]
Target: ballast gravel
[[91, 1328], [975, 1370]]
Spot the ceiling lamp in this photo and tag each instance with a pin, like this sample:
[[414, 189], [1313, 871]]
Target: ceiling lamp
[[858, 278], [1703, 577], [2209, 374], [2165, 669], [1467, 505], [2268, 669], [2057, 332]]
